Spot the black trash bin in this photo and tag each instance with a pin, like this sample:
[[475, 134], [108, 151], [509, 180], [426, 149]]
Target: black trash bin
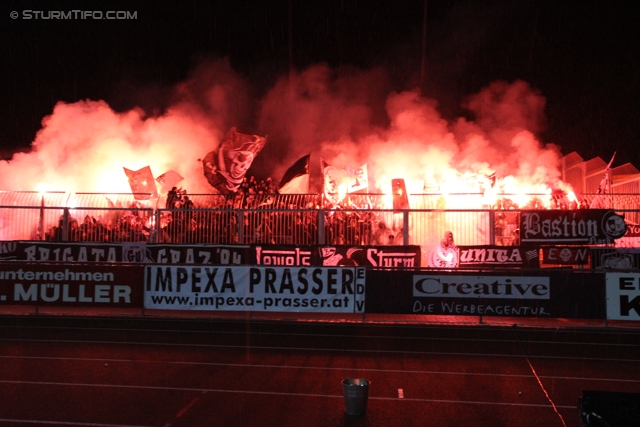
[[356, 395], [609, 409]]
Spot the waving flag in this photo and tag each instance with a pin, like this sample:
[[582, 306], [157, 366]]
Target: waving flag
[[334, 188], [600, 202], [142, 184], [296, 178], [226, 166], [358, 179], [169, 179]]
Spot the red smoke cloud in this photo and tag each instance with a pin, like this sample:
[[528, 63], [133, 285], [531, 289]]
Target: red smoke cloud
[[348, 117]]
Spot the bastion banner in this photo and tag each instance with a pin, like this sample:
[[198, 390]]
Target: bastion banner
[[553, 294], [577, 227], [71, 285], [261, 289]]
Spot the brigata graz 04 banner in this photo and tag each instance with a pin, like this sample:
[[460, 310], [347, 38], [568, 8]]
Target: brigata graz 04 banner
[[71, 285], [127, 252], [582, 226], [269, 289], [551, 294]]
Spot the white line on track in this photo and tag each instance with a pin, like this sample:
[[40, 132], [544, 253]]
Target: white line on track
[[272, 393], [63, 423], [323, 368], [312, 335], [312, 349]]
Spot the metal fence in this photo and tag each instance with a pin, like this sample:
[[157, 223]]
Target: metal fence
[[263, 226], [263, 219]]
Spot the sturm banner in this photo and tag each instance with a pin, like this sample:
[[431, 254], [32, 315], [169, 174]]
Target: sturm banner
[[371, 256], [623, 296], [584, 226], [267, 289], [71, 285]]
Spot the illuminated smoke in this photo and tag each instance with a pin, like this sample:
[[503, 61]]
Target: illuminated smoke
[[83, 146], [348, 117]]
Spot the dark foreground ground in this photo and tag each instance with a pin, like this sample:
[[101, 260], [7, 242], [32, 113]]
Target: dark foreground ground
[[142, 371]]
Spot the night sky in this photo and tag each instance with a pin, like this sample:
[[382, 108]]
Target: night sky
[[582, 56]]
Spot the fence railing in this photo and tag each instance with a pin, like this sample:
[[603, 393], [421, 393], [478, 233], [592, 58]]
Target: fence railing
[[263, 226], [261, 219]]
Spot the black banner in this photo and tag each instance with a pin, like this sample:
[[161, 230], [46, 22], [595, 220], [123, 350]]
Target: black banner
[[555, 294], [398, 257], [499, 256], [276, 255], [584, 226], [615, 259], [566, 255], [134, 252]]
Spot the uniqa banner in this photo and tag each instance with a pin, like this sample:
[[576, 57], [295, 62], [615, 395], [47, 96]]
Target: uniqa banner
[[499, 256], [267, 289]]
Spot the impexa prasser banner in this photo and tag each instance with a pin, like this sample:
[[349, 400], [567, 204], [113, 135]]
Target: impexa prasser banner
[[269, 289]]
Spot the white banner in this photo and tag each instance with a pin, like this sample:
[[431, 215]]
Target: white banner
[[272, 289], [623, 296]]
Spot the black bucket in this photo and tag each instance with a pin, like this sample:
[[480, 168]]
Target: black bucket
[[356, 394]]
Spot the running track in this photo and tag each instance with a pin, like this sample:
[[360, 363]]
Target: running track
[[93, 371]]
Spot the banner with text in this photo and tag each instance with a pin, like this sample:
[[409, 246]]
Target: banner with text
[[499, 256], [623, 296], [578, 227], [269, 289], [554, 294], [127, 252], [71, 285]]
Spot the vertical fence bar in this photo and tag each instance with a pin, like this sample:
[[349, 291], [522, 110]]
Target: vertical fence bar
[[405, 227], [240, 226], [321, 227], [65, 225]]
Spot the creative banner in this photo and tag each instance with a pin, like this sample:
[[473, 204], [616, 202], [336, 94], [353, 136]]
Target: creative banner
[[128, 252], [499, 256], [267, 289], [555, 294], [71, 285], [584, 226], [623, 296], [566, 255]]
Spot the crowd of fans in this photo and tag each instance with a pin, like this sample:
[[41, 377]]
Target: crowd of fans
[[267, 218]]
